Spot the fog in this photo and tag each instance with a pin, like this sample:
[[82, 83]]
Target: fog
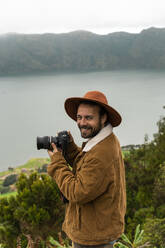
[[100, 17]]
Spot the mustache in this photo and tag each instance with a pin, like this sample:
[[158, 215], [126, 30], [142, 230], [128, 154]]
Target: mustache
[[84, 127]]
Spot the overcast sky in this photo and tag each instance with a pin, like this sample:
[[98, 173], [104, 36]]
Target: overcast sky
[[98, 16]]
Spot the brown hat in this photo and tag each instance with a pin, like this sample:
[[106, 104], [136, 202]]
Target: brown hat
[[71, 106]]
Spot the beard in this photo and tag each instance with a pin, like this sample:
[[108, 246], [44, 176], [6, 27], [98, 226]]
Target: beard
[[88, 132]]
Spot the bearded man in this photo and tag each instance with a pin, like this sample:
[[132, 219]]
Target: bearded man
[[95, 187]]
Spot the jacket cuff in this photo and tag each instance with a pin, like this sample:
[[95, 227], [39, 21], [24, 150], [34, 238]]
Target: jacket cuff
[[56, 160]]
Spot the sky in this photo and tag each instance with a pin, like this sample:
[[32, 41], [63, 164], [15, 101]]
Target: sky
[[97, 16]]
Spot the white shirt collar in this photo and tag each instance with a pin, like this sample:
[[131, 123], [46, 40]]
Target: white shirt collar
[[104, 132]]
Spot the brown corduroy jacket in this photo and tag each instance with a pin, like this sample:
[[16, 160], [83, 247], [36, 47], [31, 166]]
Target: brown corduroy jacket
[[95, 189]]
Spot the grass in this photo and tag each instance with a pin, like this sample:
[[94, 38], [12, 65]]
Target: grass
[[33, 163], [4, 173], [125, 153], [8, 194]]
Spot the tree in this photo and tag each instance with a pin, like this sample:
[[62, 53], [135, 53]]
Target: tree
[[154, 232], [145, 177], [11, 179], [36, 212]]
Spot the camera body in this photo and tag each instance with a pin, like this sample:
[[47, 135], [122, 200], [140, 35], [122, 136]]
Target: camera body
[[61, 141]]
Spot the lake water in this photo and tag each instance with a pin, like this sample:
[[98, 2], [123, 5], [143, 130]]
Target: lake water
[[32, 106]]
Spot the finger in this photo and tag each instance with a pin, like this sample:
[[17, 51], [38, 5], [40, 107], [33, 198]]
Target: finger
[[50, 153], [54, 147]]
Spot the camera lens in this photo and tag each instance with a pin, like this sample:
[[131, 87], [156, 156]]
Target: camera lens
[[43, 142]]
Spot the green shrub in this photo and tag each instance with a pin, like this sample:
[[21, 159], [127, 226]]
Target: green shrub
[[11, 179], [154, 232], [9, 226], [35, 212], [145, 180], [136, 243], [4, 190], [43, 168]]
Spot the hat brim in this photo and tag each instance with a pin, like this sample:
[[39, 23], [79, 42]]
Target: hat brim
[[71, 106]]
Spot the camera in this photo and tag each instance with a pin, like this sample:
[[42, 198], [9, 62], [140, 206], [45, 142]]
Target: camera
[[61, 141]]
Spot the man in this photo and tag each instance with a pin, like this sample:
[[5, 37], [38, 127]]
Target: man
[[95, 187]]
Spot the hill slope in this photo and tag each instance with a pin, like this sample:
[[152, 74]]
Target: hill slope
[[81, 51]]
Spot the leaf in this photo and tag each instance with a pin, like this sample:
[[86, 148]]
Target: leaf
[[55, 242], [137, 231], [124, 238], [139, 238], [120, 245]]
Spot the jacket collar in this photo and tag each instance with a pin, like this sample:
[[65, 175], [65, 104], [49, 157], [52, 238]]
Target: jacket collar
[[104, 132]]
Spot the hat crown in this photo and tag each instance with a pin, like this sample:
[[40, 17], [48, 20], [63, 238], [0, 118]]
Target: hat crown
[[72, 104], [96, 96]]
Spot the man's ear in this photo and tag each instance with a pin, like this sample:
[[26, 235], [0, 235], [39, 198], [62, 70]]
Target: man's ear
[[103, 119]]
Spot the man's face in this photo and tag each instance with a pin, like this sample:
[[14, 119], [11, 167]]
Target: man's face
[[89, 121]]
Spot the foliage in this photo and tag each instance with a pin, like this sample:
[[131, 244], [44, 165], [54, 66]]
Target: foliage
[[7, 195], [82, 51], [43, 168], [4, 190], [11, 179], [57, 244], [145, 177], [35, 212], [126, 243], [154, 232], [34, 163], [31, 164], [9, 226]]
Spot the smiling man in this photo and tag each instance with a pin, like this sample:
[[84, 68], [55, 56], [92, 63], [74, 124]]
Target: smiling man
[[90, 119], [95, 187]]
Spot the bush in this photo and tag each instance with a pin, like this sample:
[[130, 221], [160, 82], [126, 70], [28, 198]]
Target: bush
[[43, 168], [11, 179], [36, 212], [4, 190], [9, 226], [145, 177], [154, 232]]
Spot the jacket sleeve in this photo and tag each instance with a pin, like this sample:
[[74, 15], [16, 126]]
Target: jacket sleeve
[[72, 152], [88, 183]]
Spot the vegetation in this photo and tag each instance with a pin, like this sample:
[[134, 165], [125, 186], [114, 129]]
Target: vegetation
[[136, 243], [81, 51], [32, 165], [36, 212], [4, 190], [145, 176], [11, 179], [2, 195]]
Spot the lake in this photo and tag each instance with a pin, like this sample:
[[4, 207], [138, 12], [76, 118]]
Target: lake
[[32, 106]]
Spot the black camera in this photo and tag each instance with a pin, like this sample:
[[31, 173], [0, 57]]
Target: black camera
[[61, 141]]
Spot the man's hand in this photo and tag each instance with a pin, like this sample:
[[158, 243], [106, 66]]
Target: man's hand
[[51, 153]]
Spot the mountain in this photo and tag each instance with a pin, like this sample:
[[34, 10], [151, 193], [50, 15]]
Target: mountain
[[81, 51]]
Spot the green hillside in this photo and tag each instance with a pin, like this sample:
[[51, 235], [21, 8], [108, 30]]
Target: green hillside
[[81, 51]]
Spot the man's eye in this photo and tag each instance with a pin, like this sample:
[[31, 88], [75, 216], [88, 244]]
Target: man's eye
[[78, 117], [89, 118]]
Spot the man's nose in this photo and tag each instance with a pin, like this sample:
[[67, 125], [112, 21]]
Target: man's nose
[[83, 122]]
